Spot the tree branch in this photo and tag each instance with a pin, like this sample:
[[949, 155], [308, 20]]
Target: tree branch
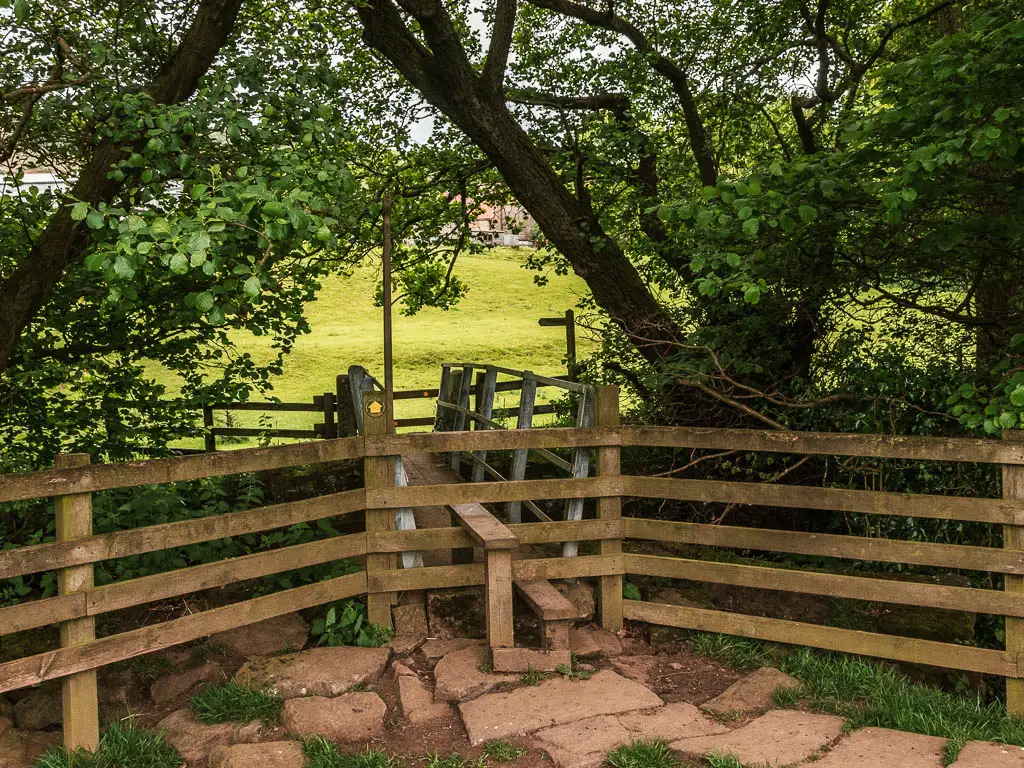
[[501, 41]]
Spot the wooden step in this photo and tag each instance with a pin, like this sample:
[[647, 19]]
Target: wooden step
[[547, 602]]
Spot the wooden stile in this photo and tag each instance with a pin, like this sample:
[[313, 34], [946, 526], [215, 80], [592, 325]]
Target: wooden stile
[[524, 420], [1013, 538], [609, 508], [485, 407], [79, 692], [378, 473]]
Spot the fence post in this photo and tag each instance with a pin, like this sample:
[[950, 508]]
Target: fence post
[[378, 472], [606, 414], [485, 407], [1013, 538], [79, 693], [524, 420], [330, 430], [346, 412], [211, 439], [465, 385], [498, 597], [441, 419]]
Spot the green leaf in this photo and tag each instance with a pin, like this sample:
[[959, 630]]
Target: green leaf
[[198, 242], [1017, 397], [752, 295], [79, 211], [252, 287], [21, 11], [95, 220], [732, 259], [204, 301], [123, 267], [751, 226], [179, 263], [808, 213], [745, 212], [1007, 419]]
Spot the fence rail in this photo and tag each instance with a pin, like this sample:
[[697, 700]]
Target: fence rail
[[609, 559]]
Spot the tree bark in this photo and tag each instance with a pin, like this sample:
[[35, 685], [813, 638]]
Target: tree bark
[[63, 242], [445, 78]]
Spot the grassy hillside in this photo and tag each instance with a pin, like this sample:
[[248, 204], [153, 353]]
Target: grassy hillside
[[495, 323]]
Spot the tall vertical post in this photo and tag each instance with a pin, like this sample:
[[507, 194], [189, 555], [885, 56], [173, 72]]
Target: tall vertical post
[[79, 694], [330, 430], [210, 438], [485, 407], [465, 385], [609, 464], [389, 368], [524, 420], [444, 395], [378, 472], [498, 597], [1013, 538], [570, 343], [346, 410]]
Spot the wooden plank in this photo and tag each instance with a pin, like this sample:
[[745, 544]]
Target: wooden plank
[[79, 691], [102, 477], [580, 465], [954, 449], [1013, 539], [478, 419], [137, 541], [160, 586], [485, 529], [830, 545], [832, 584], [536, 511], [291, 434], [524, 420], [416, 394], [421, 421], [609, 508], [836, 499], [893, 647], [544, 600], [269, 406], [547, 381], [451, 576], [488, 493], [485, 407], [378, 473], [457, 538], [498, 597], [459, 424], [41, 667], [492, 440]]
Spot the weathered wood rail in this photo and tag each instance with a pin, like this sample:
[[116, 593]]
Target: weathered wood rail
[[608, 557]]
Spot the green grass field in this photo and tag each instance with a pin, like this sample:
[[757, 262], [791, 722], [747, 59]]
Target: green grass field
[[495, 323]]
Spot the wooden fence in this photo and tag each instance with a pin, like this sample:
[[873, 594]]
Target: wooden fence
[[73, 480]]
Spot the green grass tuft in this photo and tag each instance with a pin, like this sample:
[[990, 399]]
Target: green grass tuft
[[454, 760], [723, 761], [121, 746], [872, 695], [642, 754], [532, 677], [320, 753], [235, 703], [503, 751]]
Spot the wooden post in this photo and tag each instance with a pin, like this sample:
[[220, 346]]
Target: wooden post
[[211, 439], [441, 419], [606, 414], [330, 429], [465, 385], [378, 472], [524, 420], [498, 597], [79, 693], [485, 407], [346, 410], [1013, 538], [570, 343], [580, 466]]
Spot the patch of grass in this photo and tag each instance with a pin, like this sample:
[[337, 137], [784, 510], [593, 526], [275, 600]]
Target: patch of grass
[[503, 751], [149, 668], [571, 673], [725, 761], [454, 760], [735, 651], [642, 754], [787, 697], [357, 688], [532, 677], [320, 753], [869, 694], [121, 746], [235, 703]]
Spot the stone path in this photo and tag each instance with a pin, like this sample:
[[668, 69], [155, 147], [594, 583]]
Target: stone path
[[345, 695]]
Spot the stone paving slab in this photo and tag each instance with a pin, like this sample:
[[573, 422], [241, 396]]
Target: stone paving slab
[[752, 693], [884, 748], [460, 675], [317, 672], [985, 754], [350, 717], [274, 754], [553, 702], [671, 723], [779, 738]]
